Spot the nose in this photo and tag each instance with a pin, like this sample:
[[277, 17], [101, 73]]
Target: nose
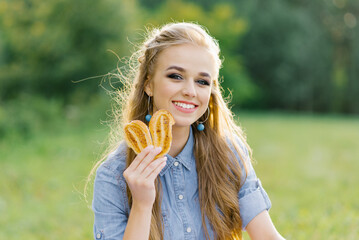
[[189, 89]]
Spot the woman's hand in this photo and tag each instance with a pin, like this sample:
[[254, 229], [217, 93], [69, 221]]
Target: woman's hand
[[141, 174]]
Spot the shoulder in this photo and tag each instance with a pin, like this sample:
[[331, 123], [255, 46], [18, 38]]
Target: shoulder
[[110, 202], [111, 170], [238, 146], [109, 184], [253, 199], [235, 139], [116, 161]]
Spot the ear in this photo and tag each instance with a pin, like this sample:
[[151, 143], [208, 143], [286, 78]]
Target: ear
[[148, 87]]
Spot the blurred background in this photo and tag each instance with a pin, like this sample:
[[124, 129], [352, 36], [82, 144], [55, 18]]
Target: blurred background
[[291, 70]]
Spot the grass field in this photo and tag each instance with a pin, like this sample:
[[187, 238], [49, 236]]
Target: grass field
[[308, 165]]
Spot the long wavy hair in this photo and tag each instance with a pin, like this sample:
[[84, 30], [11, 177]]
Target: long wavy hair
[[219, 172]]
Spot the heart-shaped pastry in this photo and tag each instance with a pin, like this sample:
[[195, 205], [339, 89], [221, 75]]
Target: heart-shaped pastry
[[159, 134]]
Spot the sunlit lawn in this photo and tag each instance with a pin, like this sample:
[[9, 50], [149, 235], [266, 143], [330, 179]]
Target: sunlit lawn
[[309, 167], [308, 164]]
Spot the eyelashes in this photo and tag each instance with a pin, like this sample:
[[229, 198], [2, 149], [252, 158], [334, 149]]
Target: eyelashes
[[179, 77], [203, 82], [175, 76]]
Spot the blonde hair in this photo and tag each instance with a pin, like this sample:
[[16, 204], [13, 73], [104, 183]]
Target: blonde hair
[[219, 172]]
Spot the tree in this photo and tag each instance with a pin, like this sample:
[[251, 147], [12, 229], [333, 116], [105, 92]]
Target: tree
[[288, 54], [46, 45]]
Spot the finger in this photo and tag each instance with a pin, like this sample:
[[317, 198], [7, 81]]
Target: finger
[[138, 159], [153, 175], [147, 159], [152, 166]]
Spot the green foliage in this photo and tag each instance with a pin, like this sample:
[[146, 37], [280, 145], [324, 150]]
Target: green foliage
[[301, 55], [296, 55], [283, 58], [23, 118], [46, 45]]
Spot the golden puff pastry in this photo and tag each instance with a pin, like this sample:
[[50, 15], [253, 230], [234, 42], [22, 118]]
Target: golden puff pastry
[[161, 130], [159, 134], [137, 135]]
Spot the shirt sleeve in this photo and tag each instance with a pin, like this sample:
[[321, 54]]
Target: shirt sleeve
[[109, 204], [253, 199]]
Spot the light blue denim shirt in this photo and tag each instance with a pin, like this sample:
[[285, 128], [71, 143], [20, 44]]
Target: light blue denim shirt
[[180, 205]]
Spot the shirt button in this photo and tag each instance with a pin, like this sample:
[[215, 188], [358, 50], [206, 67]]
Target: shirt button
[[176, 164], [189, 229], [180, 197], [98, 235]]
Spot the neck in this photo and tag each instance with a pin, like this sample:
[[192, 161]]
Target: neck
[[179, 139]]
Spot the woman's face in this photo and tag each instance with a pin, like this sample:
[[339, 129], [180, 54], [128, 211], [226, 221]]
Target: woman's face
[[182, 82]]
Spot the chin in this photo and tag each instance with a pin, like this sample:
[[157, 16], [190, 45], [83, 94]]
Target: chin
[[182, 124]]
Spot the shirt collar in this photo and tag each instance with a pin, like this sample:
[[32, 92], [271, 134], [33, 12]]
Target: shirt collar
[[185, 157]]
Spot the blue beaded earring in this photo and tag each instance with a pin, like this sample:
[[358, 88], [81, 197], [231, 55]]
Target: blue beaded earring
[[148, 116], [200, 126]]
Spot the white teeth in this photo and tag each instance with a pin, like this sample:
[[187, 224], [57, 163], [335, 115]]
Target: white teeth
[[183, 105]]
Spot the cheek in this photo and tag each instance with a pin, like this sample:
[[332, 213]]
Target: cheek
[[205, 96], [164, 90], [163, 93], [168, 88]]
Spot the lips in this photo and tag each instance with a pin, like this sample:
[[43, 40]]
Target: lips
[[185, 106]]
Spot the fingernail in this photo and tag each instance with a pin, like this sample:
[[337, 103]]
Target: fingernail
[[158, 149]]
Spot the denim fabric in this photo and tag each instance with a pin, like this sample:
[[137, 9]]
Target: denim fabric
[[180, 205]]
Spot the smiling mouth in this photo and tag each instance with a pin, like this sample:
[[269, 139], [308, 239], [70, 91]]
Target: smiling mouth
[[185, 105]]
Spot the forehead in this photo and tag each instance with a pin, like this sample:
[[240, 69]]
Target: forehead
[[192, 58]]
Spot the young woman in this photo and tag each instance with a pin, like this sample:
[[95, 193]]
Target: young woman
[[205, 187]]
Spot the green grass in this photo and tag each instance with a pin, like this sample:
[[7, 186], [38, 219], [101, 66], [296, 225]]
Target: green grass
[[309, 167], [41, 186], [43, 174], [307, 164]]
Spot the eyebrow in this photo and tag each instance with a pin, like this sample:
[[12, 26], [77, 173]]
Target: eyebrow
[[203, 74]]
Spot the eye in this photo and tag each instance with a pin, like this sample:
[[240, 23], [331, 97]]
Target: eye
[[203, 82], [175, 76]]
